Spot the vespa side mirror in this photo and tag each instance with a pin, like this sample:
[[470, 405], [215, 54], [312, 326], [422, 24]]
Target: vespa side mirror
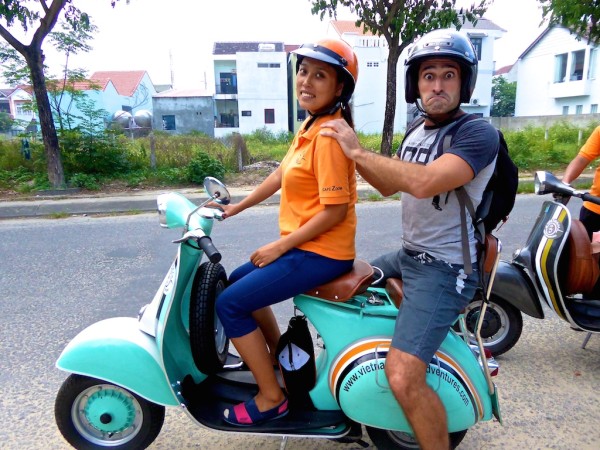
[[214, 188], [547, 183]]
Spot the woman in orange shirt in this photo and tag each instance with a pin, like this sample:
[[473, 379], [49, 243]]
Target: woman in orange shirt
[[317, 224]]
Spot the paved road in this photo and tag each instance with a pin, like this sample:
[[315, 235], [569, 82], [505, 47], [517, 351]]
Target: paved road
[[60, 275]]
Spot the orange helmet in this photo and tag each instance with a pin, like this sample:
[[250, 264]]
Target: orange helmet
[[337, 53]]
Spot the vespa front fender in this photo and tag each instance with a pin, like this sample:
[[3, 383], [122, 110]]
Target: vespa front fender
[[512, 285], [116, 350]]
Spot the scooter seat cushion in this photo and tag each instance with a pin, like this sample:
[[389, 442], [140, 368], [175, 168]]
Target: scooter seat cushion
[[348, 285]]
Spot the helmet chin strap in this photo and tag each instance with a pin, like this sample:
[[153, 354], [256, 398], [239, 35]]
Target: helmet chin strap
[[314, 117], [451, 114]]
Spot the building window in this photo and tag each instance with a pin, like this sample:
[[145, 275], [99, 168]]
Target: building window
[[268, 65], [476, 41], [372, 64], [126, 108], [577, 59], [269, 116], [246, 113], [168, 122], [593, 63], [566, 110], [23, 110], [227, 83], [560, 68], [579, 109], [594, 108]]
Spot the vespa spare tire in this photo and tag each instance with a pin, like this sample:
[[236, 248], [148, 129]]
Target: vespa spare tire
[[501, 328], [96, 414], [208, 341], [397, 440]]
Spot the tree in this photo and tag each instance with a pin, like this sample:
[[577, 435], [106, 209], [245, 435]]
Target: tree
[[44, 15], [6, 122], [68, 42], [581, 17], [504, 94], [400, 22]]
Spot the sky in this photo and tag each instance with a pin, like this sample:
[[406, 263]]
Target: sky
[[173, 39]]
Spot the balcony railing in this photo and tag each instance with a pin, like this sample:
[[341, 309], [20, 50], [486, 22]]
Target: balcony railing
[[225, 89]]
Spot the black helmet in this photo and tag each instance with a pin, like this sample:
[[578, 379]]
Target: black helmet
[[337, 53], [445, 43]]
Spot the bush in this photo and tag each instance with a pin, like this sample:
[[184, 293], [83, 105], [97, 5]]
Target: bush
[[94, 155], [202, 166], [85, 181]]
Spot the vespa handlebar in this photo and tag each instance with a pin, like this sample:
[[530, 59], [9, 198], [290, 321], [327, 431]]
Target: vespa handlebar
[[586, 196], [210, 250], [204, 242]]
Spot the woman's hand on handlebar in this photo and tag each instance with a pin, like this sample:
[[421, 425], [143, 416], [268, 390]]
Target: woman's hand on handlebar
[[228, 210]]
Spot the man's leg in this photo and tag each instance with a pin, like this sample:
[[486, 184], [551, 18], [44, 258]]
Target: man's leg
[[422, 406]]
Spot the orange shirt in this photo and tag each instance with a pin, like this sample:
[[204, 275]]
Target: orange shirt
[[591, 151], [315, 172]]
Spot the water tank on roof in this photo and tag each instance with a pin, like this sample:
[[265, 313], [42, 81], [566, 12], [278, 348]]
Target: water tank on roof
[[266, 47], [143, 118], [123, 118]]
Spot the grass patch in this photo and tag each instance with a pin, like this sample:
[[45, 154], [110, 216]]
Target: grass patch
[[59, 215]]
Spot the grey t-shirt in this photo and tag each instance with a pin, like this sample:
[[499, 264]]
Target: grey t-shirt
[[433, 224]]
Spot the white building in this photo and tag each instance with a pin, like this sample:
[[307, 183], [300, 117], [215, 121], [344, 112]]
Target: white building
[[251, 89], [557, 75]]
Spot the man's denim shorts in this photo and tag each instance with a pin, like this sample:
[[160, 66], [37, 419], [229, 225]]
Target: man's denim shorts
[[434, 294]]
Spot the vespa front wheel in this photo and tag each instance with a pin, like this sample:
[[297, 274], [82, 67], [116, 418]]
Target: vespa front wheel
[[398, 440], [208, 340], [501, 328], [93, 414]]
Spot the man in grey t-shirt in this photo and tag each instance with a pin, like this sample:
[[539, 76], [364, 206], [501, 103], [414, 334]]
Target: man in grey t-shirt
[[441, 70]]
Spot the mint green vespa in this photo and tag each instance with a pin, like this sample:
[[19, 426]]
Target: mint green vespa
[[124, 371]]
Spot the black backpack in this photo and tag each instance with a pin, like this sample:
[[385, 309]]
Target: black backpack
[[500, 193]]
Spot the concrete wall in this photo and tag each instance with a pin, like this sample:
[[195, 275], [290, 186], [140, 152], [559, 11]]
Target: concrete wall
[[262, 85], [520, 123], [191, 114]]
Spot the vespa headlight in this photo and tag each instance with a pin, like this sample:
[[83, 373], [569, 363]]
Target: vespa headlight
[[161, 203]]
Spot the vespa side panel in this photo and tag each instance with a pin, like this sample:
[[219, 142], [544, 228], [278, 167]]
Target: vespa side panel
[[116, 350], [357, 342], [340, 324], [360, 386], [513, 285], [546, 244]]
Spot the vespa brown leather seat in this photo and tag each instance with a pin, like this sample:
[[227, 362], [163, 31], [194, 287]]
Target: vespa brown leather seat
[[582, 267], [348, 285]]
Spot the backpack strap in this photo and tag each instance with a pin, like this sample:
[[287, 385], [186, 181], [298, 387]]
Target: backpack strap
[[444, 143], [412, 127], [466, 204]]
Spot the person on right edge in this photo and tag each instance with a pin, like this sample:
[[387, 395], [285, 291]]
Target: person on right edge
[[589, 214], [441, 70]]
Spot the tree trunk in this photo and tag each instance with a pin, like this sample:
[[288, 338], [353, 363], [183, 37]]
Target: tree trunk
[[56, 176], [387, 135]]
